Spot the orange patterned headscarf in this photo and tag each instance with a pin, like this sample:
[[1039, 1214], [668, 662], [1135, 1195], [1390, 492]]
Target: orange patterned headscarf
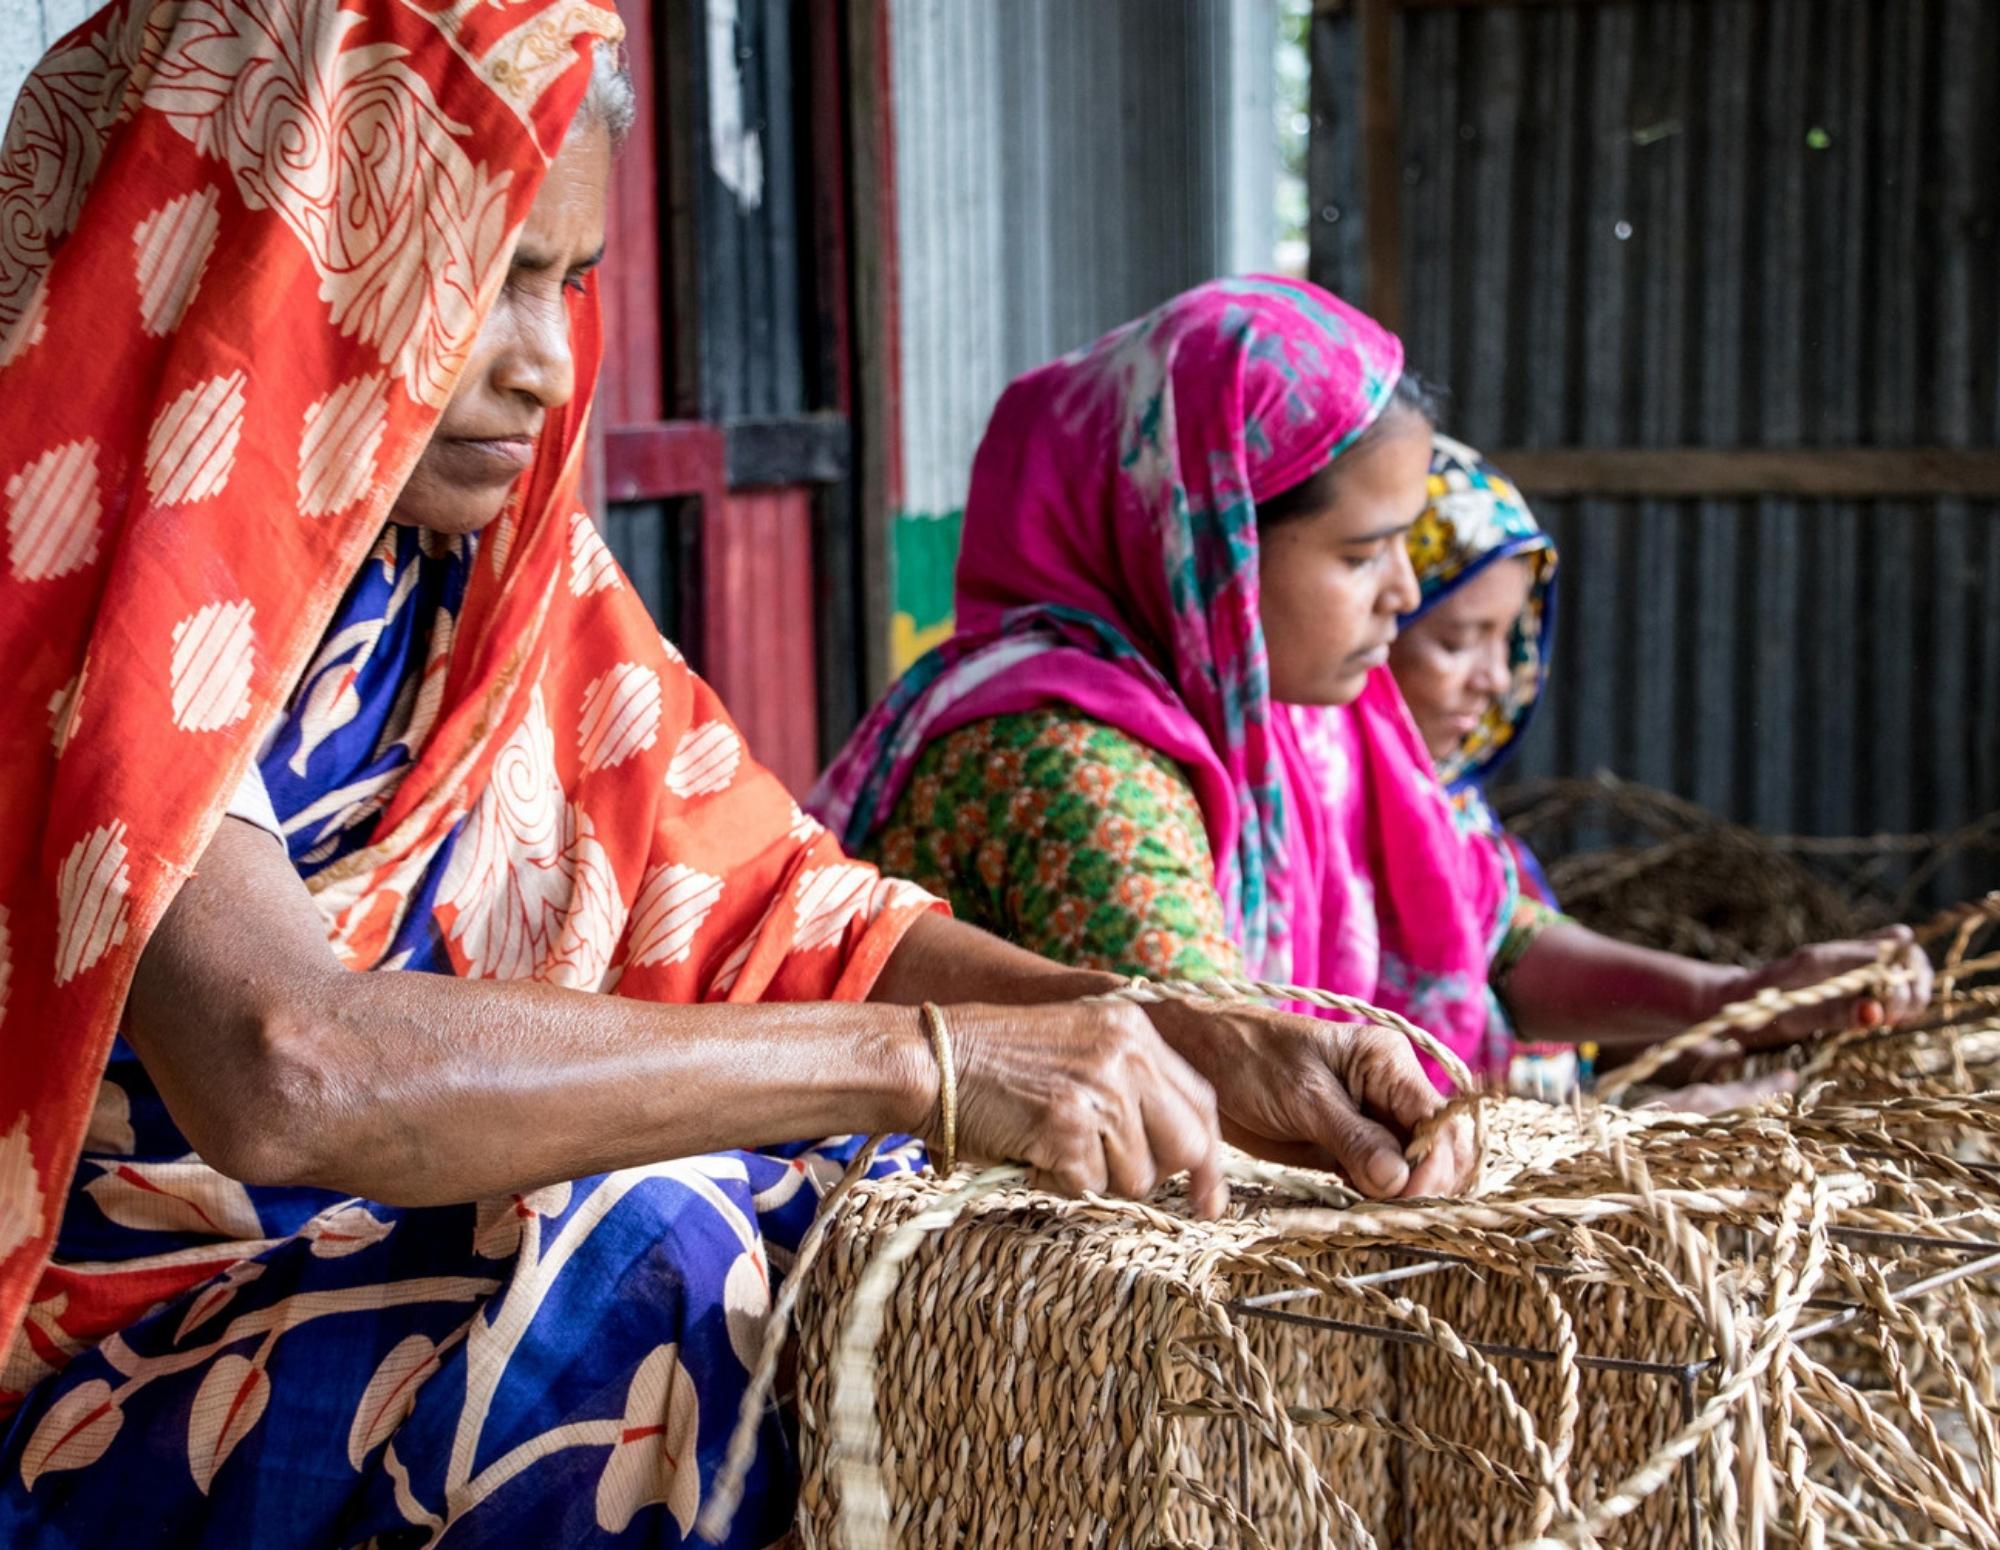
[[245, 247]]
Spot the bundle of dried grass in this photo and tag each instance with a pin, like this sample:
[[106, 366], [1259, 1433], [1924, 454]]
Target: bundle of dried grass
[[1645, 866], [1690, 1335]]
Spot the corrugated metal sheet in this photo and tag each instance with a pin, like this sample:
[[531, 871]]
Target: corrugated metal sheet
[[1060, 168], [1730, 223], [27, 28]]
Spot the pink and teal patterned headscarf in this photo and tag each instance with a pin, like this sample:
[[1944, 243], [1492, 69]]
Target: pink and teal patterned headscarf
[[1110, 564]]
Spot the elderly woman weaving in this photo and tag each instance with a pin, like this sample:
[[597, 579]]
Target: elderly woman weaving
[[317, 673], [1165, 737]]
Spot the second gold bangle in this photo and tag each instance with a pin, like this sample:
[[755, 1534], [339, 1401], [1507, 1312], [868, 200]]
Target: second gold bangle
[[940, 1036]]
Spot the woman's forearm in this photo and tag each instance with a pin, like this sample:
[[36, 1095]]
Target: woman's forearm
[[941, 959], [283, 1067], [1573, 985], [653, 1081], [421, 1088]]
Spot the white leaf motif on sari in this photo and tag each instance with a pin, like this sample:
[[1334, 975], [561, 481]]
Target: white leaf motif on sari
[[591, 565], [337, 447], [171, 249], [175, 1197], [390, 1396], [228, 1404], [91, 889], [327, 698], [345, 1230], [192, 446], [24, 1364], [214, 655], [620, 716], [828, 901], [347, 146], [110, 1120], [831, 899], [20, 1190], [705, 760], [746, 1298], [496, 1227], [654, 1457], [53, 507], [75, 1432], [732, 967], [673, 903], [217, 1295]]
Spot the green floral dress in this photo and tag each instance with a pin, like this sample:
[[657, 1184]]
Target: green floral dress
[[1084, 845], [1068, 837]]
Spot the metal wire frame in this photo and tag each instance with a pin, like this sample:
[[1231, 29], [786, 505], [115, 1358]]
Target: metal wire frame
[[1685, 1376]]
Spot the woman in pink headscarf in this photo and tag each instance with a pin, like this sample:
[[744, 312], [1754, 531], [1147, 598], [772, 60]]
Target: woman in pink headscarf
[[1164, 738], [1182, 569]]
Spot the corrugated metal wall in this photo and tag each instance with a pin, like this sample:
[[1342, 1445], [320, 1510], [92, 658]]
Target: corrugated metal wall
[[1728, 223], [1060, 168], [747, 88], [27, 28]]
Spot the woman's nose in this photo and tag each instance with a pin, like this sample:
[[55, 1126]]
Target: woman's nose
[[1400, 593], [1490, 677], [536, 359]]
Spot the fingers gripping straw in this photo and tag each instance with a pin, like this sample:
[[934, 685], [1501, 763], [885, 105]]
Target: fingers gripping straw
[[865, 1509]]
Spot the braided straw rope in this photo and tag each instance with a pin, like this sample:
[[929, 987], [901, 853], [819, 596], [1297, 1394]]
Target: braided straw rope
[[1640, 1328]]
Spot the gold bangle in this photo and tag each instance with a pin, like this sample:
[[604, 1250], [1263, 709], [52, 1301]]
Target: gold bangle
[[940, 1034]]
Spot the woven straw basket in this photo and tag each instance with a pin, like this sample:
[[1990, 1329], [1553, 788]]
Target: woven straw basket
[[1639, 1329], [1619, 1342]]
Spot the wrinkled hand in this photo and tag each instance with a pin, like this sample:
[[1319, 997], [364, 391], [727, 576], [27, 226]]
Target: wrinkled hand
[[1824, 960], [1088, 1095], [1320, 1094]]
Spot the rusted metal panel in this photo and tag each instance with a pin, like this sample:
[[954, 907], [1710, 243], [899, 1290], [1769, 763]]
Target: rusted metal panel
[[757, 627], [1059, 169]]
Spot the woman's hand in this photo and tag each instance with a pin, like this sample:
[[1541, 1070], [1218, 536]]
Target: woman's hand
[[1088, 1095], [1320, 1094], [1824, 961], [1056, 1051]]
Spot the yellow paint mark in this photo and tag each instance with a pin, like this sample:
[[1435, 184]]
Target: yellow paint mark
[[907, 642]]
